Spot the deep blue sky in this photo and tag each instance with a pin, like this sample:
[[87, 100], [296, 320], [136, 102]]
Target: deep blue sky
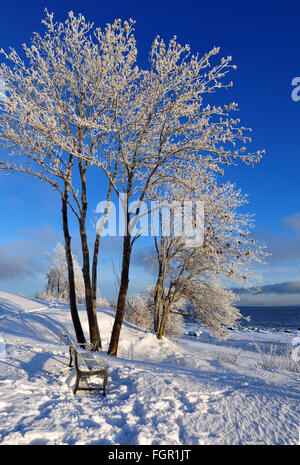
[[263, 39]]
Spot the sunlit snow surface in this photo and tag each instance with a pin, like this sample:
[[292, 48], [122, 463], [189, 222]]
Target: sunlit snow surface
[[159, 392]]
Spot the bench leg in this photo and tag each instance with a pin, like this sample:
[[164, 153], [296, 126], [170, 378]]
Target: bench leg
[[104, 384], [76, 384], [70, 363]]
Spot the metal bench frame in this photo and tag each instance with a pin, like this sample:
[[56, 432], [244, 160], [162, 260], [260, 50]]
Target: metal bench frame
[[74, 353], [86, 373]]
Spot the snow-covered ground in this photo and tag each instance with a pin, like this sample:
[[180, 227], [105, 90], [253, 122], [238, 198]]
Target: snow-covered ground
[[191, 391]]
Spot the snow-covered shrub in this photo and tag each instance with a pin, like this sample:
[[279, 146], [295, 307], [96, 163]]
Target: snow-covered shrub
[[273, 359], [174, 326], [140, 312], [228, 358], [102, 301]]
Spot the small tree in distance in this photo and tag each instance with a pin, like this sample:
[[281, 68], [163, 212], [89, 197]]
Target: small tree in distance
[[57, 277]]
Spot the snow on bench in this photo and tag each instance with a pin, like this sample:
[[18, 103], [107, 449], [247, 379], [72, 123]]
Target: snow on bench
[[82, 353]]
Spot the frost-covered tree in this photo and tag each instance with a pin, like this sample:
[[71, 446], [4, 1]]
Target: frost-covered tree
[[57, 285], [57, 277], [60, 99], [78, 95], [200, 275], [164, 117]]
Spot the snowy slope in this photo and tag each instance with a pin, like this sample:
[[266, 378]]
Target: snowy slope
[[159, 392]]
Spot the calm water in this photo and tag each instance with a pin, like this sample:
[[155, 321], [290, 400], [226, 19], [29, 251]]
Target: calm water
[[272, 317]]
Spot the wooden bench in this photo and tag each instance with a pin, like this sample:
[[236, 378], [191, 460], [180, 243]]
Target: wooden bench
[[95, 367]]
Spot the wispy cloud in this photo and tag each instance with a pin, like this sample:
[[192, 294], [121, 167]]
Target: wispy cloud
[[291, 287], [284, 247], [18, 259], [26, 257], [293, 223], [285, 293], [269, 300]]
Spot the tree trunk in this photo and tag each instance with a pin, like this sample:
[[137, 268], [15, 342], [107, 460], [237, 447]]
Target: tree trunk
[[91, 311], [90, 308], [115, 335], [72, 290], [96, 250], [162, 325], [157, 302], [94, 270], [94, 285]]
